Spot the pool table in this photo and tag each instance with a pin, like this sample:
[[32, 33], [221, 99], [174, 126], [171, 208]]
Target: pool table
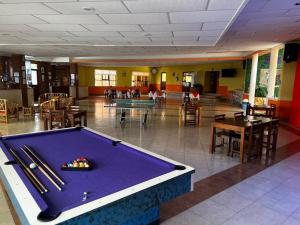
[[126, 185]]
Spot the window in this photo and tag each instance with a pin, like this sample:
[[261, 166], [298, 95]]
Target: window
[[139, 79], [105, 77], [34, 80]]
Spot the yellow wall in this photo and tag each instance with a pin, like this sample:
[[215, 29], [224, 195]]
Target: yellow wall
[[287, 83], [232, 83], [86, 74], [87, 78]]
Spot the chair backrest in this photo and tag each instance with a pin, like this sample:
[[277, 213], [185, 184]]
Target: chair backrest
[[220, 117], [3, 105], [257, 126], [57, 116], [49, 96], [275, 125], [239, 115]]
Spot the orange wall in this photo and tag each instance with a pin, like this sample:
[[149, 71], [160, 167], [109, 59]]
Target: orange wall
[[100, 90]]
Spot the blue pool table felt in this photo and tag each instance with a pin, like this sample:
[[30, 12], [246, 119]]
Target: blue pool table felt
[[114, 167]]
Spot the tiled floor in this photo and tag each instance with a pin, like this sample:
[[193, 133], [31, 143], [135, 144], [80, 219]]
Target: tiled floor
[[189, 145], [271, 197]]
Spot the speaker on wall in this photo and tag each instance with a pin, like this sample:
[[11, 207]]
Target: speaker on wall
[[290, 52]]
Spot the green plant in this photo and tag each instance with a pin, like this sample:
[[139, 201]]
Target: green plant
[[261, 91]]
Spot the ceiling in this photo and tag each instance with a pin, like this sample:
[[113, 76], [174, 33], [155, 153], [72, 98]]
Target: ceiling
[[136, 29]]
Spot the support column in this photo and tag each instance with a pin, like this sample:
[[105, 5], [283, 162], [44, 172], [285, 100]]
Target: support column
[[273, 72], [253, 78], [295, 105]]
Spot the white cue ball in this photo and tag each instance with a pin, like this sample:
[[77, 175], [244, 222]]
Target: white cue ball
[[32, 165]]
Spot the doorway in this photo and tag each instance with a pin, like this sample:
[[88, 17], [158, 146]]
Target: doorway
[[187, 81], [163, 81], [211, 81]]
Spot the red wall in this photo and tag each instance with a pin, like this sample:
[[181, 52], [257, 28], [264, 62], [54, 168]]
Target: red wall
[[295, 105]]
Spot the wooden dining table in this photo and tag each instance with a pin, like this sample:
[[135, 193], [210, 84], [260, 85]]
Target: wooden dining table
[[72, 114], [237, 125]]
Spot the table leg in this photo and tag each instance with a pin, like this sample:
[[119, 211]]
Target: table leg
[[72, 120], [213, 137], [85, 120], [242, 145], [45, 124], [180, 116]]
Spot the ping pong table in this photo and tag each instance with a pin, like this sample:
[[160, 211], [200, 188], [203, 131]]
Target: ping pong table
[[129, 106]]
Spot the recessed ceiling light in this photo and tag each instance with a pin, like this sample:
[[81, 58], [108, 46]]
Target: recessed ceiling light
[[89, 9]]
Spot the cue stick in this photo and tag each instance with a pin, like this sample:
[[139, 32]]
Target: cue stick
[[41, 169], [45, 165], [35, 184], [28, 171]]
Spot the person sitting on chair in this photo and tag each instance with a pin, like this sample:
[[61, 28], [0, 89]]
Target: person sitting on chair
[[194, 95], [152, 95], [128, 94], [186, 96]]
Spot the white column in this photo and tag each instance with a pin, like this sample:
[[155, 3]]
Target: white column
[[253, 78], [272, 72]]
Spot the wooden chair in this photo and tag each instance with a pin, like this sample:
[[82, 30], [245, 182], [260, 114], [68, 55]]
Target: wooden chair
[[28, 111], [256, 141], [57, 119], [8, 110], [3, 110], [239, 115], [190, 114], [270, 136], [221, 133]]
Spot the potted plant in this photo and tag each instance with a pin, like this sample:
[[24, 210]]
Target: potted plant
[[261, 92]]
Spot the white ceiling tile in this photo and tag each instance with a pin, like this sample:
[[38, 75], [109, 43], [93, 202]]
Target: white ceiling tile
[[172, 27], [186, 38], [30, 1], [23, 9], [197, 33], [41, 39], [147, 18], [73, 38], [19, 19], [4, 27], [97, 34], [58, 27], [72, 19], [97, 7], [109, 27], [214, 25], [224, 4], [147, 34], [46, 34], [202, 16], [165, 5]]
